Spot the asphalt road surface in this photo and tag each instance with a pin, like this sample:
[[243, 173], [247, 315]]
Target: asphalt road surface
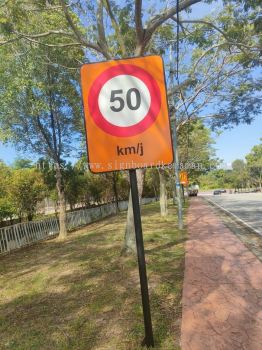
[[246, 206]]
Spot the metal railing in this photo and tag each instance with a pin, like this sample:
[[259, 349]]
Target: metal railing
[[24, 234]]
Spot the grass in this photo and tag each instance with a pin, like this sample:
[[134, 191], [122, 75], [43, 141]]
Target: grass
[[80, 294]]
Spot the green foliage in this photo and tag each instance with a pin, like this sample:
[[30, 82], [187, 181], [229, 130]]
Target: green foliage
[[220, 54], [40, 98], [239, 174], [100, 187], [243, 174], [26, 190], [196, 151], [7, 210], [22, 163], [212, 180], [254, 164], [20, 191], [151, 183]]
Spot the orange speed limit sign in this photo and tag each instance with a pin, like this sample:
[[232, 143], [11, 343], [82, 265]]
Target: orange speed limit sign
[[126, 114]]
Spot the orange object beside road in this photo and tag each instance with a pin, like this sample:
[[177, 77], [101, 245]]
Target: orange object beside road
[[183, 178], [126, 114]]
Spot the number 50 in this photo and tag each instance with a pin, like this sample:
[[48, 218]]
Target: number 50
[[120, 100]]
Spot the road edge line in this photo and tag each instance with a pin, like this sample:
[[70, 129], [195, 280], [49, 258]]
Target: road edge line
[[240, 221]]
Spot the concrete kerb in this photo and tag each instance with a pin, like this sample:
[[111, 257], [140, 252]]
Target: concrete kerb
[[236, 218]]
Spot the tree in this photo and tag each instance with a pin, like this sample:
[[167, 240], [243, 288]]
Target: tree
[[151, 186], [254, 165], [243, 174], [26, 189], [7, 209], [73, 185], [22, 163], [216, 179], [217, 57], [40, 102], [163, 176], [240, 174], [196, 149]]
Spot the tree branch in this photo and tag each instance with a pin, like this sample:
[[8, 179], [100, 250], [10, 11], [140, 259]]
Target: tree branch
[[71, 23], [183, 85], [138, 22], [9, 41], [50, 45], [101, 30], [158, 20], [46, 138], [48, 33], [229, 41], [115, 25], [77, 32]]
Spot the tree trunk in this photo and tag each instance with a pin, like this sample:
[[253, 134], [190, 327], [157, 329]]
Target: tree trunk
[[163, 193], [30, 217], [155, 192], [174, 190], [62, 202], [115, 191], [129, 246]]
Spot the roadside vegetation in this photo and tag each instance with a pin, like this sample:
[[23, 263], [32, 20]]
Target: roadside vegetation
[[245, 175], [25, 184], [81, 294]]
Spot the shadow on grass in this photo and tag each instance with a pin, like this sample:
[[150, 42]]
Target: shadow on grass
[[165, 246], [80, 294]]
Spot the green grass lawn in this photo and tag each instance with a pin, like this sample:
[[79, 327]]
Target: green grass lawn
[[80, 294]]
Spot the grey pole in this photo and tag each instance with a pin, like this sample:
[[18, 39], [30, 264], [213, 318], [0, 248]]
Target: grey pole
[[176, 158]]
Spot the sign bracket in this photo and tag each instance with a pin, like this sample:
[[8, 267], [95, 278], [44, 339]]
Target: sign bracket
[[148, 341]]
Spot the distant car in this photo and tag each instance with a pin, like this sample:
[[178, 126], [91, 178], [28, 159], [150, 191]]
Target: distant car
[[223, 191], [216, 192]]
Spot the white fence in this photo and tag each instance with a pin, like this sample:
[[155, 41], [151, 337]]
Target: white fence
[[21, 235]]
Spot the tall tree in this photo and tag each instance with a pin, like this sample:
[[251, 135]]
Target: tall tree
[[254, 165], [40, 110], [7, 209], [196, 149], [26, 189], [240, 174]]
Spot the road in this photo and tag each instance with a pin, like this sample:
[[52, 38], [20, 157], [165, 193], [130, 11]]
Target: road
[[246, 206]]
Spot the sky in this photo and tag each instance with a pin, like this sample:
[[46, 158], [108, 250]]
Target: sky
[[230, 145], [237, 142]]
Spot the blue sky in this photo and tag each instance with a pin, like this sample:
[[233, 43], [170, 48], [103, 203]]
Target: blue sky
[[237, 142], [230, 145]]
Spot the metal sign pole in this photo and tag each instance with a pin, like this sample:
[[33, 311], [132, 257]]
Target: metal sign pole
[[149, 340]]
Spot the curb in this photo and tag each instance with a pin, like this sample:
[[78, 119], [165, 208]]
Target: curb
[[236, 218]]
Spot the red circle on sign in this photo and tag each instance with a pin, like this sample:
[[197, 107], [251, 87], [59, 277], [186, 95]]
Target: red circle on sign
[[150, 117]]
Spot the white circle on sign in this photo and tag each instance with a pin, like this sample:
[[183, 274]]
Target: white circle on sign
[[124, 100]]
